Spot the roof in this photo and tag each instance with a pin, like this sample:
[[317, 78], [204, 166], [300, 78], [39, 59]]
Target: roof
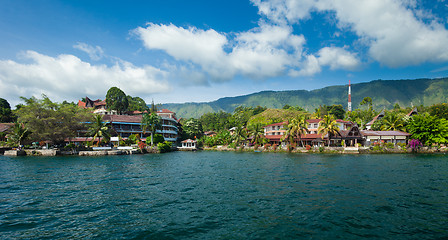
[[379, 116], [412, 112], [123, 118], [384, 133], [5, 126], [277, 124], [189, 141], [164, 111]]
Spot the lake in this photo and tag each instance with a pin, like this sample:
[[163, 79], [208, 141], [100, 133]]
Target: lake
[[225, 195]]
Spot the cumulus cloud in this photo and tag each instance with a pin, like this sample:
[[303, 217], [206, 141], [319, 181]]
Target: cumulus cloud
[[66, 77], [95, 53], [394, 31], [266, 51]]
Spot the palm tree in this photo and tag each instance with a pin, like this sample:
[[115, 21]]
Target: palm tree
[[99, 129], [296, 128], [239, 135], [151, 122], [19, 133], [256, 131], [392, 122], [329, 126]]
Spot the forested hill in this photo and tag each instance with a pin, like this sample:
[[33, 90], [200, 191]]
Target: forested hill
[[384, 93]]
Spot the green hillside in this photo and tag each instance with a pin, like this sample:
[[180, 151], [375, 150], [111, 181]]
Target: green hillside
[[385, 93]]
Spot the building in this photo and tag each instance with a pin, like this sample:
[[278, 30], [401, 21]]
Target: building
[[376, 118], [170, 125], [371, 137], [188, 145], [274, 133], [99, 106]]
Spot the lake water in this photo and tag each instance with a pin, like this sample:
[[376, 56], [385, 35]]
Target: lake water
[[225, 195]]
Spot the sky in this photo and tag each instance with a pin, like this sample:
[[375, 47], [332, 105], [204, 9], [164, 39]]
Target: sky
[[176, 51]]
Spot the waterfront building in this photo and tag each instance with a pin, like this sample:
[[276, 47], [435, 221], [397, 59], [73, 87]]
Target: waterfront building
[[371, 137], [188, 145]]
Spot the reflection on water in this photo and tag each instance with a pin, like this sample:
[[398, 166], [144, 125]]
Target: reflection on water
[[211, 195]]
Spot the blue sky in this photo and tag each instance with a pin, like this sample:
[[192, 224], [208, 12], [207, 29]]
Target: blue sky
[[192, 51]]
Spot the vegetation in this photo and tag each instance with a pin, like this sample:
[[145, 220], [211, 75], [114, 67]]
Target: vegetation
[[18, 134], [99, 129], [116, 100], [49, 121], [296, 128], [192, 129], [428, 129], [136, 104], [386, 94], [151, 122], [6, 114], [329, 126]]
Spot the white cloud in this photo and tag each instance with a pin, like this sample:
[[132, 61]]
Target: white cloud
[[338, 58], [393, 30], [95, 53], [66, 77], [262, 52]]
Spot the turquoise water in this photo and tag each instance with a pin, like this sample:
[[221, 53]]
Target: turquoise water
[[225, 195]]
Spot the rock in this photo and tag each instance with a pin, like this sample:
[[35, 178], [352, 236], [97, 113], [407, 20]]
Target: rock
[[15, 153]]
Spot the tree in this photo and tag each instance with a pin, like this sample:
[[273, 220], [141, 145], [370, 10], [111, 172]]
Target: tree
[[366, 101], [136, 104], [336, 109], [256, 131], [239, 135], [192, 128], [329, 126], [6, 114], [296, 128], [392, 122], [439, 110], [428, 129], [116, 100], [151, 122], [18, 134], [52, 121], [99, 129]]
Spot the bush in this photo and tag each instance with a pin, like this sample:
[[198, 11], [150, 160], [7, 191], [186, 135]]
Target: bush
[[390, 145], [275, 146], [308, 147], [267, 146], [321, 149], [164, 147]]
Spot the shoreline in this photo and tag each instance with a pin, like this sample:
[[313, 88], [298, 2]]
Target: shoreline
[[324, 150]]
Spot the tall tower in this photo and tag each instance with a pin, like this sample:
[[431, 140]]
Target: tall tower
[[349, 106]]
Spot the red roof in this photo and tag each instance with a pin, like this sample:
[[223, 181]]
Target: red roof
[[123, 118], [164, 111], [189, 141], [277, 124], [81, 104]]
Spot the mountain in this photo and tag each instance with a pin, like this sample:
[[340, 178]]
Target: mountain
[[384, 93]]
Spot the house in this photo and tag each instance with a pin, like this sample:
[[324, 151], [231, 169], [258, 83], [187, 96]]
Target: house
[[188, 145], [371, 137], [170, 125], [98, 106], [412, 112], [377, 117], [210, 133], [274, 133]]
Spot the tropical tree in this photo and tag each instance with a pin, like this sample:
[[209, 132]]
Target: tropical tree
[[392, 122], [18, 134], [99, 129], [296, 128], [151, 122], [256, 131], [6, 114], [329, 126], [116, 100], [51, 121], [367, 101], [192, 128], [239, 135], [428, 129]]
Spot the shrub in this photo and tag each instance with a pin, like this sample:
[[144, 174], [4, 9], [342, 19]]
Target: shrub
[[267, 146], [164, 147], [255, 146], [321, 149], [275, 146], [390, 145], [308, 147], [141, 145], [414, 144]]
